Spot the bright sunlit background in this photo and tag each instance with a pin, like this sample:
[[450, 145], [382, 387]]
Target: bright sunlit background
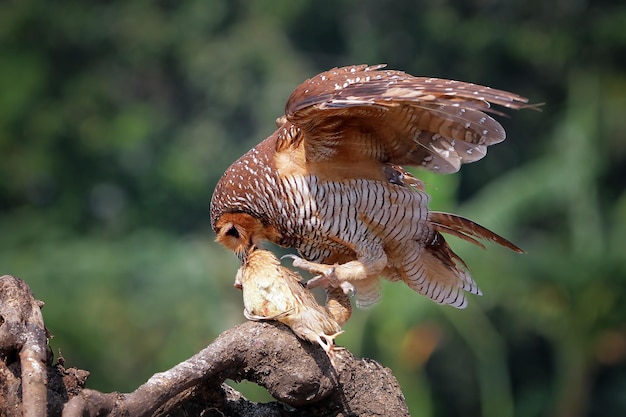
[[117, 118]]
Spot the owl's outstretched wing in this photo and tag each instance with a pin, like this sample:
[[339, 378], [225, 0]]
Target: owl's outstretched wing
[[363, 113]]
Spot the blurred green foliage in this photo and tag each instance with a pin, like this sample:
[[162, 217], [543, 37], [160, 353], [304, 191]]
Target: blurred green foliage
[[117, 118]]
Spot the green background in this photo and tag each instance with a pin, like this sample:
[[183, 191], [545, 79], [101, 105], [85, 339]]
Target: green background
[[117, 118]]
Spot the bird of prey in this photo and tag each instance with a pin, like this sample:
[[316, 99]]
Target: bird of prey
[[330, 181]]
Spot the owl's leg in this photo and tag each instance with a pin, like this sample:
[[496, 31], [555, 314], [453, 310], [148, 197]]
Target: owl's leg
[[326, 276], [330, 280], [342, 275]]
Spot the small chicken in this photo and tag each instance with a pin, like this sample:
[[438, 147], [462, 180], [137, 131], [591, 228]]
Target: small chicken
[[273, 292]]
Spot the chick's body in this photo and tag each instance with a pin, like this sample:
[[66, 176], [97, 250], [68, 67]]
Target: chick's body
[[273, 292]]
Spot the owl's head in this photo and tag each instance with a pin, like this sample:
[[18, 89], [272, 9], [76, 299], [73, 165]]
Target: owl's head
[[241, 232]]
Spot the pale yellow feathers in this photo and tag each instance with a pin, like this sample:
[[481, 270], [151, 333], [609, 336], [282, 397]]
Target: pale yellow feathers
[[273, 292]]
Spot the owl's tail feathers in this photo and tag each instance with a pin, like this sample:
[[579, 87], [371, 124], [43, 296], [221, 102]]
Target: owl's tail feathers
[[444, 277], [467, 230]]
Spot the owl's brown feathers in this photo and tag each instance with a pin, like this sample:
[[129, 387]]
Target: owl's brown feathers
[[329, 181], [361, 115]]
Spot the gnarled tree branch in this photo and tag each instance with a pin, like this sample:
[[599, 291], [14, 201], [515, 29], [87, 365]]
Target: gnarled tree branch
[[22, 332], [296, 373]]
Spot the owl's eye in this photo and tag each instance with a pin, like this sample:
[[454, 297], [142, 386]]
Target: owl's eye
[[233, 232]]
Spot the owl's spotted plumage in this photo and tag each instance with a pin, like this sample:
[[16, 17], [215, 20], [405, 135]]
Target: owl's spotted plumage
[[329, 181]]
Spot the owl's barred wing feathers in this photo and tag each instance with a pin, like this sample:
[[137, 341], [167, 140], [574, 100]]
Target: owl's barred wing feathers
[[365, 113]]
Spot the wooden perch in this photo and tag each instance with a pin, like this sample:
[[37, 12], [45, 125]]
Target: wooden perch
[[23, 338], [296, 373]]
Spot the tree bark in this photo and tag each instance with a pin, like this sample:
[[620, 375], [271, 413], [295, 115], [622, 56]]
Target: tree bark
[[296, 373]]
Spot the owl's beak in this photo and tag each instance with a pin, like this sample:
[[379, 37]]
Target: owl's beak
[[241, 255]]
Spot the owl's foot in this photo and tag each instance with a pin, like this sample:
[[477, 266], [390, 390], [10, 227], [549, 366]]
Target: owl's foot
[[327, 275], [331, 280]]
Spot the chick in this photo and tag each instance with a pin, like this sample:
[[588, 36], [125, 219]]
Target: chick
[[273, 292]]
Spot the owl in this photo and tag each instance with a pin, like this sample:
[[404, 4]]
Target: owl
[[330, 181], [273, 292]]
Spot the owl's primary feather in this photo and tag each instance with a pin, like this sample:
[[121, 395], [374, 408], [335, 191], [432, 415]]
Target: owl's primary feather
[[329, 180]]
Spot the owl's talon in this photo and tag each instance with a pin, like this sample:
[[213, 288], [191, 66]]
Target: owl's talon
[[312, 267], [326, 275], [298, 262], [319, 280], [348, 288]]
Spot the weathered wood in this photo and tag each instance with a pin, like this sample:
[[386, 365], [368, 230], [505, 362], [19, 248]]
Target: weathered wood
[[296, 373]]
